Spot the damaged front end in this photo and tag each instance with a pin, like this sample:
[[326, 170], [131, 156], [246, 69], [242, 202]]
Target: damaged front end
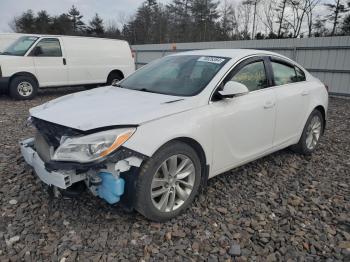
[[62, 156]]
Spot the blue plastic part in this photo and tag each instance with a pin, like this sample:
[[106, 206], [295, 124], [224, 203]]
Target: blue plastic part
[[111, 188]]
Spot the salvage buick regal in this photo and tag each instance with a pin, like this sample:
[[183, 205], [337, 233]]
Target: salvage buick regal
[[154, 139]]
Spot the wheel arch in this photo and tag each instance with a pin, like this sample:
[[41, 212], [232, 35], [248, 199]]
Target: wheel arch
[[197, 147], [23, 73], [116, 71], [322, 110]]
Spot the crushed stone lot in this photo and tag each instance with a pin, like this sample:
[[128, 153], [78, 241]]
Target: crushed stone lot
[[283, 207]]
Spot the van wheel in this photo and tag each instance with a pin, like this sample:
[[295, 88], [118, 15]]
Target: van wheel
[[113, 79], [168, 182], [23, 88], [311, 134]]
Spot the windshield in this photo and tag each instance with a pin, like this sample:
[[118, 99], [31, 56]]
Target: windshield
[[20, 46], [183, 75]]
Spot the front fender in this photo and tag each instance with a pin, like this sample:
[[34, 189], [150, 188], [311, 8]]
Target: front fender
[[195, 124]]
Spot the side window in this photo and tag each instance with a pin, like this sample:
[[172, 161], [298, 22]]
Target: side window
[[300, 74], [283, 74], [253, 76], [49, 47]]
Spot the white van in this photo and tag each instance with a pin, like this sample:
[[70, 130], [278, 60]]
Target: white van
[[37, 61]]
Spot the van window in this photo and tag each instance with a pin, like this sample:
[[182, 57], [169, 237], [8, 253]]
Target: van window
[[20, 46], [48, 47]]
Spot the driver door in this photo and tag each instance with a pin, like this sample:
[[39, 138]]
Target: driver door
[[50, 66], [243, 126]]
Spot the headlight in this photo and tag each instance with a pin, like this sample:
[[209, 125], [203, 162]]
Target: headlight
[[91, 147]]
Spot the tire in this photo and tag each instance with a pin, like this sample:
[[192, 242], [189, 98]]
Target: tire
[[303, 146], [113, 78], [146, 204], [23, 88]]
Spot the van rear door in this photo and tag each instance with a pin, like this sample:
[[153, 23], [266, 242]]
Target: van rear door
[[50, 64]]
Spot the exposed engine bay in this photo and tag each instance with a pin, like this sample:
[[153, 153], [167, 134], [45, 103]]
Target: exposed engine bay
[[110, 178]]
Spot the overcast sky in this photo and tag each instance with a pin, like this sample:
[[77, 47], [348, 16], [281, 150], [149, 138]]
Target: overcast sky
[[107, 9]]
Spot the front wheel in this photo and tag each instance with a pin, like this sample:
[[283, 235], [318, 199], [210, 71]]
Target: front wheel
[[311, 134], [168, 182], [23, 88]]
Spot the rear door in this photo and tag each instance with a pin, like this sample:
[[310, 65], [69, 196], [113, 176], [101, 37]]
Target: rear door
[[292, 97], [50, 66]]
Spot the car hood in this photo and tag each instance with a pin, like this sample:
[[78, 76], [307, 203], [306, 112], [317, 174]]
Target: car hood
[[110, 106]]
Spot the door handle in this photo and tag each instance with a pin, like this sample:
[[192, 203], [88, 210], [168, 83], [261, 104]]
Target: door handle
[[269, 104], [305, 93], [64, 61]]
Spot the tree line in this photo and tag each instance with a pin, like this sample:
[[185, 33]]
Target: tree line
[[200, 20]]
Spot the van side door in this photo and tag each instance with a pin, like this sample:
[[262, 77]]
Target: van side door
[[49, 62]]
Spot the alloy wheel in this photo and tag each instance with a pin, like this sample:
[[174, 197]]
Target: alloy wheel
[[173, 183], [313, 132], [25, 89]]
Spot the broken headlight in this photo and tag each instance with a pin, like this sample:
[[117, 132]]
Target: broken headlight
[[88, 148]]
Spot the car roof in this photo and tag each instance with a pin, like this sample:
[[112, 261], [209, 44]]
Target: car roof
[[230, 53], [72, 36]]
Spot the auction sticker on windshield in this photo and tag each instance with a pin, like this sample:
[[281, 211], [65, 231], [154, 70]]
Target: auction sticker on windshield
[[211, 59]]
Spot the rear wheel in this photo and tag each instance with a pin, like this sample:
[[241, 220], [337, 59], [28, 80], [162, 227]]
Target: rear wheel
[[113, 78], [168, 182], [23, 88], [311, 134]]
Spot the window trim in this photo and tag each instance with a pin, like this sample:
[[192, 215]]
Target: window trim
[[286, 63], [43, 39], [239, 65]]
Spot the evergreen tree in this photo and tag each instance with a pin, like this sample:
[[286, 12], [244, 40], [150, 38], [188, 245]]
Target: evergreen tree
[[205, 14], [42, 22], [96, 26], [61, 25], [75, 17], [25, 23], [346, 25]]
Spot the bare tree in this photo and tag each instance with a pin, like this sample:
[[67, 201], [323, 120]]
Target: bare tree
[[227, 21], [281, 8], [298, 10], [244, 16], [268, 16], [254, 4], [337, 8], [309, 14]]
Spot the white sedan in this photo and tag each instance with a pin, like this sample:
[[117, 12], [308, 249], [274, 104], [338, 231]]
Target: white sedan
[[154, 139]]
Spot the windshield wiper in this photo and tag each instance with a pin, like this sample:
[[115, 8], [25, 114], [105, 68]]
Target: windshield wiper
[[5, 53], [146, 90]]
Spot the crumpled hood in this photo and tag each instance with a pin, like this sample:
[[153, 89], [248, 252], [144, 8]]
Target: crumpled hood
[[109, 106]]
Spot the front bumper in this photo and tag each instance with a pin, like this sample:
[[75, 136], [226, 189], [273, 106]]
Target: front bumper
[[61, 179], [112, 189], [4, 84]]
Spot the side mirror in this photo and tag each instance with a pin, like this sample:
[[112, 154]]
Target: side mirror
[[233, 88]]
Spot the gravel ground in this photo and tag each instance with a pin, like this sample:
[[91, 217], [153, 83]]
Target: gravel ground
[[284, 207]]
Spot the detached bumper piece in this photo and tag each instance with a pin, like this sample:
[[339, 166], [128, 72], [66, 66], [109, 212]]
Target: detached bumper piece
[[107, 185], [61, 179]]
